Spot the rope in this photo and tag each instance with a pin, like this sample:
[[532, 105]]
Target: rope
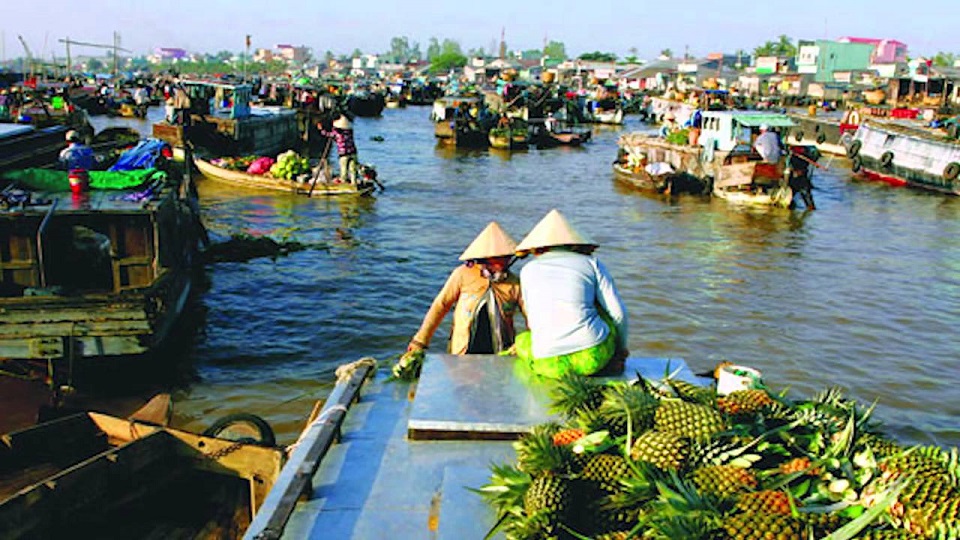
[[346, 371]]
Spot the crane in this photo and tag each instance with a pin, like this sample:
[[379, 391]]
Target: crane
[[26, 49], [115, 47]]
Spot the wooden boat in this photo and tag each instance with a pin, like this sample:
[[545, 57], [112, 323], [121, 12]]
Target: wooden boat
[[722, 157], [545, 138], [666, 182], [321, 188], [452, 127], [830, 135], [25, 146], [906, 156], [92, 475], [94, 276], [366, 103], [395, 101], [506, 139], [407, 467], [235, 129]]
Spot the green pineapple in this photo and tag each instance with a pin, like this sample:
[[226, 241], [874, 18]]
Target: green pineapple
[[693, 393], [550, 495], [745, 402], [666, 451], [690, 420], [769, 501], [625, 402], [881, 446], [890, 534], [604, 472], [763, 526], [724, 481], [821, 524]]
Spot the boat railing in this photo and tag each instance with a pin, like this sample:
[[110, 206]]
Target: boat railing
[[40, 233], [308, 452]]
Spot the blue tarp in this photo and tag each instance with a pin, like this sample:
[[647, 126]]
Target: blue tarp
[[141, 156]]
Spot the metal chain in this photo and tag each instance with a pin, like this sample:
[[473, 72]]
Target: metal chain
[[224, 451]]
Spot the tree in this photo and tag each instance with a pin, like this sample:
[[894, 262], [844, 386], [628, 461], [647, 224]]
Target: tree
[[555, 50], [944, 59], [666, 53], [451, 46], [94, 65], [447, 60], [400, 50], [598, 56], [357, 53], [782, 47], [433, 49], [476, 52]]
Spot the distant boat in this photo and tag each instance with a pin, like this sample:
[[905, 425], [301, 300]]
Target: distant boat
[[319, 189], [906, 156]]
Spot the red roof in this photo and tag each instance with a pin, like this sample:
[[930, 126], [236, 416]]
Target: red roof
[[871, 41]]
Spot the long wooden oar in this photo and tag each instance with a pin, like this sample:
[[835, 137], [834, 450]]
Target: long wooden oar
[[321, 165]]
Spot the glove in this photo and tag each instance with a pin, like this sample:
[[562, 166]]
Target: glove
[[409, 365]]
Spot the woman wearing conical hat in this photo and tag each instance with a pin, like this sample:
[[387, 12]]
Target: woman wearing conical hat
[[576, 317], [486, 296]]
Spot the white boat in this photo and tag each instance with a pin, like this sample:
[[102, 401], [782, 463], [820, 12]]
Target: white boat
[[906, 156]]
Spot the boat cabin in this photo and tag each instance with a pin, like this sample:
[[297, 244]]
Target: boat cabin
[[730, 131]]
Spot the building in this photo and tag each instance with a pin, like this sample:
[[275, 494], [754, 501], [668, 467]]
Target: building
[[832, 61], [168, 54], [885, 51], [262, 55], [293, 55]]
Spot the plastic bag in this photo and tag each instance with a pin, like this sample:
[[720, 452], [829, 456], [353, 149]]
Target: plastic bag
[[260, 165]]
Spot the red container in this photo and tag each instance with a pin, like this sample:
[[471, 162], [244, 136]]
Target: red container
[[79, 180]]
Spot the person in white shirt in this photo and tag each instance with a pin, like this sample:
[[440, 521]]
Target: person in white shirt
[[768, 145], [577, 320]]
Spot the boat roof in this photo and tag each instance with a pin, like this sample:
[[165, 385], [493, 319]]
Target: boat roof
[[108, 202], [754, 118]]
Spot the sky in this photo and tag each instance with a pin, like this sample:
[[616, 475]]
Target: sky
[[696, 26]]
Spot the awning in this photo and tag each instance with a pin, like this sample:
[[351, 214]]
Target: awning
[[772, 120]]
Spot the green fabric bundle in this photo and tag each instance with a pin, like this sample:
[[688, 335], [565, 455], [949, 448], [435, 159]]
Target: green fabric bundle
[[51, 180]]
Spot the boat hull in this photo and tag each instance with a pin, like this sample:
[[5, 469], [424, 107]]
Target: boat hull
[[902, 156], [251, 181]]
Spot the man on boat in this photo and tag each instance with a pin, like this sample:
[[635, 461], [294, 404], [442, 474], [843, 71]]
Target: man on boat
[[342, 135], [76, 156], [485, 294], [768, 145]]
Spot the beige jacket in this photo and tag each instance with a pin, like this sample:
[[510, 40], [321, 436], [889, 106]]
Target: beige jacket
[[466, 288]]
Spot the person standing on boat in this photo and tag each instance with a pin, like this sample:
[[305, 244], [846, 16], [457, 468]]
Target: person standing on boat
[[76, 156], [768, 145], [577, 319], [484, 294], [342, 135]]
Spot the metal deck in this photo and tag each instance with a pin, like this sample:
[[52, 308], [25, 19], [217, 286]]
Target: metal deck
[[379, 483]]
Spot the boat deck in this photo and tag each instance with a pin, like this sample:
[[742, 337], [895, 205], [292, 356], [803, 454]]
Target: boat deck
[[409, 452]]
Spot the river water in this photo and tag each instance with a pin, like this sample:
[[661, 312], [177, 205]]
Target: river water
[[863, 293]]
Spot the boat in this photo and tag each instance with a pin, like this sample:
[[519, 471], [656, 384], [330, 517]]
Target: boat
[[224, 123], [507, 138], [661, 180], [91, 475], [322, 187], [722, 156], [365, 102], [395, 101], [409, 453], [25, 146], [551, 138], [901, 155], [99, 277], [829, 135], [462, 121]]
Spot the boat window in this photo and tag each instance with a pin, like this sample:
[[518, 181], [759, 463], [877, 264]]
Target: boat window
[[78, 258]]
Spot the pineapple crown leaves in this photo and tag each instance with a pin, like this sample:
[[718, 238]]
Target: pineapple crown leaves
[[574, 393], [537, 453], [681, 496], [692, 527]]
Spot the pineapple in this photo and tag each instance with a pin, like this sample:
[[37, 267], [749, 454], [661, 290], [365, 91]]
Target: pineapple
[[665, 451], [799, 465], [770, 501], [725, 481], [625, 403], [549, 495], [822, 524], [879, 445], [690, 420], [761, 526], [890, 534], [605, 472], [704, 395], [537, 453], [745, 402], [567, 436]]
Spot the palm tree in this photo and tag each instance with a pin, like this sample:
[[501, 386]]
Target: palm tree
[[666, 53]]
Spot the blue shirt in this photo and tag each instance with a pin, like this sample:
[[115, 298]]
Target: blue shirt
[[77, 156], [561, 292]]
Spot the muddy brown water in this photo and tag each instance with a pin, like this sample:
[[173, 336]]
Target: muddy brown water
[[863, 293]]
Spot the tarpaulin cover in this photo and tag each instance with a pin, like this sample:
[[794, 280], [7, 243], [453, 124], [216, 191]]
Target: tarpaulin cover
[[53, 181], [141, 156]]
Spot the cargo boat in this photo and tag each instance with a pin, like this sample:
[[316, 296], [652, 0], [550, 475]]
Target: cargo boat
[[906, 156]]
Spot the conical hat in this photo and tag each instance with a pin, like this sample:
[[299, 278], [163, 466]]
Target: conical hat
[[493, 241], [554, 230], [343, 122]]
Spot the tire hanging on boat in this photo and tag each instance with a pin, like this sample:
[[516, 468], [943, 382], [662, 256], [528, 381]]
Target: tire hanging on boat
[[854, 149], [821, 137], [952, 171], [954, 131], [886, 159], [798, 135], [857, 164], [247, 428]]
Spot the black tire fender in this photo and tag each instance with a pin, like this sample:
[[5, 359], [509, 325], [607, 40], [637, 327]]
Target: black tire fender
[[854, 149], [952, 171], [818, 128], [954, 131], [857, 164], [886, 159], [265, 435], [821, 137], [798, 134]]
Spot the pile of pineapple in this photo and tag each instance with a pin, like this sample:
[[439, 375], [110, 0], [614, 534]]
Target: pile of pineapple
[[673, 460]]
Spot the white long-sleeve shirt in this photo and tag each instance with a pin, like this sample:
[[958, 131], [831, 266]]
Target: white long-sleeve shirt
[[561, 292]]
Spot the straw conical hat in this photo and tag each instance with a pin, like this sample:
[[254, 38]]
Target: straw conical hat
[[343, 122], [491, 242], [554, 230]]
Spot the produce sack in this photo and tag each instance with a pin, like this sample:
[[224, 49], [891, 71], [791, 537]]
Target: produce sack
[[260, 165]]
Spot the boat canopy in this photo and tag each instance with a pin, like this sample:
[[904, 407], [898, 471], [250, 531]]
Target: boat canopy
[[729, 130], [760, 119]]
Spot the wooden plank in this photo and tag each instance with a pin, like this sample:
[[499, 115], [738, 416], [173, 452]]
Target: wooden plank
[[129, 327], [80, 487], [44, 438], [309, 452]]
